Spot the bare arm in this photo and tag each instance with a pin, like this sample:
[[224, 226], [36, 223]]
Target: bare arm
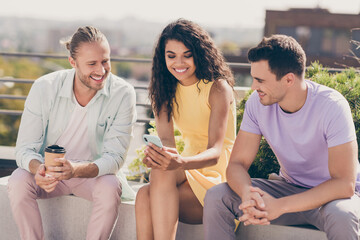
[[165, 128], [243, 154]]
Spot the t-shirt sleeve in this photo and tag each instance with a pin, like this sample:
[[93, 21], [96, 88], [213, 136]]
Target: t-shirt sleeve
[[249, 122], [339, 125]]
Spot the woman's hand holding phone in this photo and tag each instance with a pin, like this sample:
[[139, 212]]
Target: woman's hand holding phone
[[160, 157]]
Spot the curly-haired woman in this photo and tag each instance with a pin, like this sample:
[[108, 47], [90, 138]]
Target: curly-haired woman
[[191, 87]]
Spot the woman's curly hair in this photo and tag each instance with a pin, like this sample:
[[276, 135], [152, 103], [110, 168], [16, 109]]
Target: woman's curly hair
[[209, 62]]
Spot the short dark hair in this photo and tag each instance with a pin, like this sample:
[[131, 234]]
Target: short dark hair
[[283, 53], [86, 34]]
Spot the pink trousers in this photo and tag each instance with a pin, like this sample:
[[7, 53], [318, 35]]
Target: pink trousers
[[103, 191]]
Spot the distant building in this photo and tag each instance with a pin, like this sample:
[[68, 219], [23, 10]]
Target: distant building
[[324, 36]]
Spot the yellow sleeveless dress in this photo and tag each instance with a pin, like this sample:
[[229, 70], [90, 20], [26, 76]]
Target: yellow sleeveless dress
[[191, 116]]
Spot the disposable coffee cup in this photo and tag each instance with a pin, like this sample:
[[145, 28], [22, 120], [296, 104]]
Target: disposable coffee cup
[[52, 152]]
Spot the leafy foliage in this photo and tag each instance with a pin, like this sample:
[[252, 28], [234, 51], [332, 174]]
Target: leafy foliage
[[17, 68]]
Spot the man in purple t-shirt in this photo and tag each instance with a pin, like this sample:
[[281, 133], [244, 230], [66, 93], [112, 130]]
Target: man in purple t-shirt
[[311, 131]]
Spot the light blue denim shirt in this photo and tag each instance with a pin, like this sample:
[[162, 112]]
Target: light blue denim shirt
[[48, 107]]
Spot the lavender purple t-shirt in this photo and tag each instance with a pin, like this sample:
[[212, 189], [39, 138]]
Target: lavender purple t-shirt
[[301, 140]]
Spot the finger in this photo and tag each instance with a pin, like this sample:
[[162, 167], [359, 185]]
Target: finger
[[164, 151], [64, 175], [42, 168], [259, 201], [254, 221], [146, 162], [257, 213], [152, 163], [245, 217], [264, 221], [252, 212], [50, 176], [247, 204], [55, 169], [46, 179], [156, 148], [259, 221], [160, 159], [170, 149], [247, 223], [258, 190], [50, 187], [61, 160]]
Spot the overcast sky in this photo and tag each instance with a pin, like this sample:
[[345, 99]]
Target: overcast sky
[[226, 13]]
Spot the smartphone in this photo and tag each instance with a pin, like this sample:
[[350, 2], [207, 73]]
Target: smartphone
[[152, 139]]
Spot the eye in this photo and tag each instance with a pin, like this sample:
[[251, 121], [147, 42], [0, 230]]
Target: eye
[[188, 56], [171, 56]]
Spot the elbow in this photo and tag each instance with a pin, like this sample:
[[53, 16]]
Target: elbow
[[216, 154], [228, 171], [349, 189], [217, 157], [214, 161]]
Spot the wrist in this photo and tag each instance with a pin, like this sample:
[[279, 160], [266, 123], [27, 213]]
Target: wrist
[[245, 193], [74, 169], [183, 162], [34, 166], [283, 205]]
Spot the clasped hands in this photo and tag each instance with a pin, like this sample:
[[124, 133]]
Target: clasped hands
[[259, 208], [48, 180], [164, 158]]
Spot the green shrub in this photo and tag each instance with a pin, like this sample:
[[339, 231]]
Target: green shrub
[[346, 82]]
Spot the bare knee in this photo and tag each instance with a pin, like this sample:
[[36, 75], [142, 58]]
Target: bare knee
[[142, 202], [160, 178]]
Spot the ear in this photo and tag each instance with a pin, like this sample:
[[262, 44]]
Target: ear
[[289, 79], [72, 62]]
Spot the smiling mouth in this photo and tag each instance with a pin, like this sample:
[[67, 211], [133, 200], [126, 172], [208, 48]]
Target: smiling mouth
[[180, 70], [99, 78], [261, 94]]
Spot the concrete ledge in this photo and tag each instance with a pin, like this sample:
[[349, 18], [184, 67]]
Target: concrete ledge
[[67, 217], [277, 232]]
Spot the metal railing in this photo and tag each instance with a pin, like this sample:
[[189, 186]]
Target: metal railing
[[55, 56], [233, 65]]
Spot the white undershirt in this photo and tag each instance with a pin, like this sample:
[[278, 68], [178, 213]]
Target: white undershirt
[[75, 137]]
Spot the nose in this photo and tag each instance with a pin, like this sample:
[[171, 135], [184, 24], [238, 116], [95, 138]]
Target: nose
[[100, 70], [254, 85], [179, 60]]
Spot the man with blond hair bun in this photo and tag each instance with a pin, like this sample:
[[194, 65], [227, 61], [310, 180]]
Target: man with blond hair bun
[[88, 111]]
